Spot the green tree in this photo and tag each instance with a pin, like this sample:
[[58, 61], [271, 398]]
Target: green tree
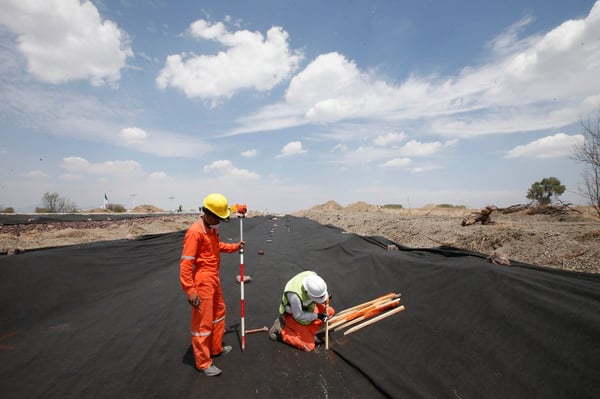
[[543, 191]]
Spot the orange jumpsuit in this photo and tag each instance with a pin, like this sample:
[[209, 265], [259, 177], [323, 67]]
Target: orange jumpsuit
[[300, 335], [199, 274]]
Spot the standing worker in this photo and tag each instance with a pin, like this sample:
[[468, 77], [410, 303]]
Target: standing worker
[[199, 276], [302, 311]]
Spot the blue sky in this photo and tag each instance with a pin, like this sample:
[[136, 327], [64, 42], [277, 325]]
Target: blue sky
[[284, 105]]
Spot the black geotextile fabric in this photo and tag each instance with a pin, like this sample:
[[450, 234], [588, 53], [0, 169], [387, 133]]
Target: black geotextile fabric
[[109, 320]]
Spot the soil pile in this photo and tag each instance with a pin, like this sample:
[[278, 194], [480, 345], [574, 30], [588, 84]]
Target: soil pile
[[566, 239]]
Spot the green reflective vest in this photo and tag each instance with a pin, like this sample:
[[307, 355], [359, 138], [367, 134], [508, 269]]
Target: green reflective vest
[[295, 286]]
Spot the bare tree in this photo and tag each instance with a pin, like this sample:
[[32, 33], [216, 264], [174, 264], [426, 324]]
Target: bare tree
[[54, 203], [589, 153], [50, 202]]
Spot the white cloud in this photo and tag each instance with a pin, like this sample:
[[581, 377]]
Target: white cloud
[[397, 162], [71, 177], [113, 168], [508, 41], [224, 170], [65, 40], [415, 148], [158, 176], [559, 145], [36, 174], [291, 148], [250, 153], [134, 135], [389, 138], [251, 61], [509, 93]]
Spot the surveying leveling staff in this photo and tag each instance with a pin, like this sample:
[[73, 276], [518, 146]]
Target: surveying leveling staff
[[199, 275]]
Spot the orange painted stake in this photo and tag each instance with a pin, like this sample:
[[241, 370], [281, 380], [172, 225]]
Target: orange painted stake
[[374, 320], [370, 312], [374, 305], [345, 312]]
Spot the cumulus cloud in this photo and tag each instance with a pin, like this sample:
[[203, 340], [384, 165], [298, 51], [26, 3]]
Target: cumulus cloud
[[224, 170], [66, 40], [126, 168], [559, 145], [133, 135], [250, 153], [416, 148], [158, 176], [508, 93], [36, 174], [250, 61], [291, 148], [397, 162], [389, 139]]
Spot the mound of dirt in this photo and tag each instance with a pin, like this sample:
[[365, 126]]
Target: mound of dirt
[[566, 239], [146, 209], [361, 206], [328, 206]]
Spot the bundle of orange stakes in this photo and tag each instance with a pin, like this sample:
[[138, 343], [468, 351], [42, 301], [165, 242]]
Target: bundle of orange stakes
[[365, 314]]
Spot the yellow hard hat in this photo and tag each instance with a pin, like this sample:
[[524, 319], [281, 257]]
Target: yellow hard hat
[[217, 204]]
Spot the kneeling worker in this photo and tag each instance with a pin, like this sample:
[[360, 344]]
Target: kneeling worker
[[302, 311]]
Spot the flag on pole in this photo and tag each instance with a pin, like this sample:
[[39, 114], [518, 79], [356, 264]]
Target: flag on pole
[[105, 201]]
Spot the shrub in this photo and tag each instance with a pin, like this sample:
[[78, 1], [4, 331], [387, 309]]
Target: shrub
[[117, 208], [451, 206], [393, 206], [543, 191]]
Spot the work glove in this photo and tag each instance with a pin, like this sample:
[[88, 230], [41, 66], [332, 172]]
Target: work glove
[[322, 317], [194, 300]]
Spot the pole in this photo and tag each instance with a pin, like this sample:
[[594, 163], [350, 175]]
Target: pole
[[241, 213], [242, 304], [327, 324]]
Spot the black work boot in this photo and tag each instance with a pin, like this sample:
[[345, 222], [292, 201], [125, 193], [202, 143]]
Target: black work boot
[[275, 330]]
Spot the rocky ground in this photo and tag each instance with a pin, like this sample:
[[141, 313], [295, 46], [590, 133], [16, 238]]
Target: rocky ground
[[567, 239]]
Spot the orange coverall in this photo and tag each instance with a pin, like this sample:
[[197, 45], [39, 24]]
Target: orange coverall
[[302, 336], [199, 274]]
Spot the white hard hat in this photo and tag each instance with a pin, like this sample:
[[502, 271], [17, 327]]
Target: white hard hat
[[316, 288]]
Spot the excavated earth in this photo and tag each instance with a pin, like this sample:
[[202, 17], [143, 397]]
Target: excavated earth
[[568, 238]]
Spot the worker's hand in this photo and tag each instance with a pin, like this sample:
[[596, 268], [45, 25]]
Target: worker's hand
[[242, 244], [194, 300], [322, 316]]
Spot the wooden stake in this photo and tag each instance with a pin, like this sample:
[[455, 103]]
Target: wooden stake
[[368, 313], [376, 305], [374, 320], [361, 306]]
